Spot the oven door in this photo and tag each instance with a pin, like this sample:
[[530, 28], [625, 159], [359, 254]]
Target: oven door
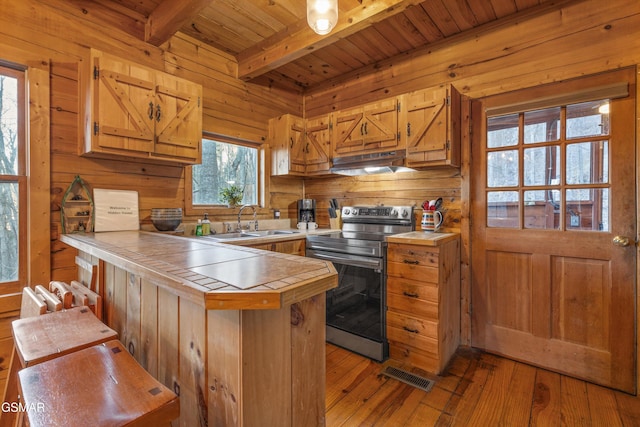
[[356, 317]]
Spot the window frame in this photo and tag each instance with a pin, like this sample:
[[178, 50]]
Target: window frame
[[213, 210], [20, 178]]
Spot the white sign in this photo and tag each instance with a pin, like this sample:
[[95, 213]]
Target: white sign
[[116, 210]]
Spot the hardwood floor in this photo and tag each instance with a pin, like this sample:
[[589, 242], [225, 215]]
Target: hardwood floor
[[478, 389]]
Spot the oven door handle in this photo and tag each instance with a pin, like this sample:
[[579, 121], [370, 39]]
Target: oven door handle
[[374, 264]]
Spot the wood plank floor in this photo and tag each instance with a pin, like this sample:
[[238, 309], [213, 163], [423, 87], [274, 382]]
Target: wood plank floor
[[478, 389]]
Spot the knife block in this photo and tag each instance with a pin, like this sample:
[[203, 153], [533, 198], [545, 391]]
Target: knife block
[[335, 223]]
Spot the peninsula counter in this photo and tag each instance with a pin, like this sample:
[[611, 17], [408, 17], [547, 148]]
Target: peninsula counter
[[238, 333]]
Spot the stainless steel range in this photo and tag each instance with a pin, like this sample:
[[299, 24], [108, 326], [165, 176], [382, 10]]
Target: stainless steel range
[[356, 308]]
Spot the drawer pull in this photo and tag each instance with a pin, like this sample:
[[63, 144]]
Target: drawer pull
[[410, 295], [409, 261], [413, 331]]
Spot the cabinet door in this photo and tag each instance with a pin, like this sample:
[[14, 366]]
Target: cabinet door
[[178, 118], [122, 106], [368, 129], [381, 126], [348, 132], [287, 141], [431, 125], [317, 145]]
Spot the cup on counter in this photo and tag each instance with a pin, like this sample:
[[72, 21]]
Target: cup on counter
[[431, 220], [302, 226], [312, 225]]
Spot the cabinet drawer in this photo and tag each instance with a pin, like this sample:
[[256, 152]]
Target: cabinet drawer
[[413, 272], [412, 325], [413, 289], [413, 306], [412, 356], [413, 255], [417, 341]]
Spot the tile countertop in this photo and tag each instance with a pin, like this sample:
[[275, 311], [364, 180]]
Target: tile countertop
[[424, 238], [215, 275]]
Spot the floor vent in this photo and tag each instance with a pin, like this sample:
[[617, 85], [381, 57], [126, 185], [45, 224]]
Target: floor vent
[[408, 378]]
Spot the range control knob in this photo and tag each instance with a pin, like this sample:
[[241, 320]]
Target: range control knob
[[404, 213], [346, 211], [394, 212]]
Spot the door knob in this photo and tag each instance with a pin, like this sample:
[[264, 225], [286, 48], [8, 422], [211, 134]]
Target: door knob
[[621, 241]]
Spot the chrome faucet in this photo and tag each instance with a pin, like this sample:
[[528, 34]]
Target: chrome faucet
[[255, 220]]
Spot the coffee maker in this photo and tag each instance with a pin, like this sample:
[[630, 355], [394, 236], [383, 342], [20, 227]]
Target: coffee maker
[[306, 210]]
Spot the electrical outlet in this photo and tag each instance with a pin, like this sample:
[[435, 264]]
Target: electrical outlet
[[575, 221]]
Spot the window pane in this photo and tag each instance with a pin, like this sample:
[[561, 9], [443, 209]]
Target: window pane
[[588, 163], [588, 209], [588, 119], [542, 125], [502, 131], [502, 168], [9, 224], [541, 166], [540, 207], [9, 125], [502, 209], [224, 165]]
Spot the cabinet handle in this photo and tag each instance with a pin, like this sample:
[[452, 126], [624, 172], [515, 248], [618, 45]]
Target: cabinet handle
[[362, 129], [413, 331], [365, 129], [410, 295], [414, 262], [408, 129], [306, 150], [158, 113], [291, 141], [151, 111]]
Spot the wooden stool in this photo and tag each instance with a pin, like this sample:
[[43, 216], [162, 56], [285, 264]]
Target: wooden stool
[[46, 337], [101, 385]]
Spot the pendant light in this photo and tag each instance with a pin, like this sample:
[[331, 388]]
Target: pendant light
[[322, 15]]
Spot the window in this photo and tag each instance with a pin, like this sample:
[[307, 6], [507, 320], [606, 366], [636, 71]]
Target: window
[[225, 163], [549, 168], [13, 180]]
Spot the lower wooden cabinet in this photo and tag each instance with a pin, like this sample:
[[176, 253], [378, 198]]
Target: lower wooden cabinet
[[423, 303], [291, 247]]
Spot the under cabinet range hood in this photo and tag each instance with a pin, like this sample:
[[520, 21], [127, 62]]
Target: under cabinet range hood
[[369, 164]]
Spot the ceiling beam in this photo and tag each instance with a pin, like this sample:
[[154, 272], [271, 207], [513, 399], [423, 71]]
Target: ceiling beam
[[299, 40], [168, 17]]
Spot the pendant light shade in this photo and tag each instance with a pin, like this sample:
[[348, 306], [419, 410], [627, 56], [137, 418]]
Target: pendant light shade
[[322, 15]]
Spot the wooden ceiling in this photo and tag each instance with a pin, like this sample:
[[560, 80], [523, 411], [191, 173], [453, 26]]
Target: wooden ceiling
[[274, 45]]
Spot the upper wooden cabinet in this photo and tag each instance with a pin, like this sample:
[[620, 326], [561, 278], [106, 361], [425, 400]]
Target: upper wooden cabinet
[[139, 112], [430, 126], [367, 129], [299, 147]]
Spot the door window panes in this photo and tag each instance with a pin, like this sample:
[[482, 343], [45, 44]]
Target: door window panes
[[502, 131], [588, 119], [502, 168], [542, 125], [542, 165], [588, 163], [556, 174], [503, 209], [9, 231]]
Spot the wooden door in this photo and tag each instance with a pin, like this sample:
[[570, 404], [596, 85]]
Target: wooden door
[[122, 106], [178, 118], [317, 145], [553, 192], [431, 125]]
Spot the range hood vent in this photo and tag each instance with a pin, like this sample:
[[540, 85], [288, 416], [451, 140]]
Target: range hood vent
[[369, 164]]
